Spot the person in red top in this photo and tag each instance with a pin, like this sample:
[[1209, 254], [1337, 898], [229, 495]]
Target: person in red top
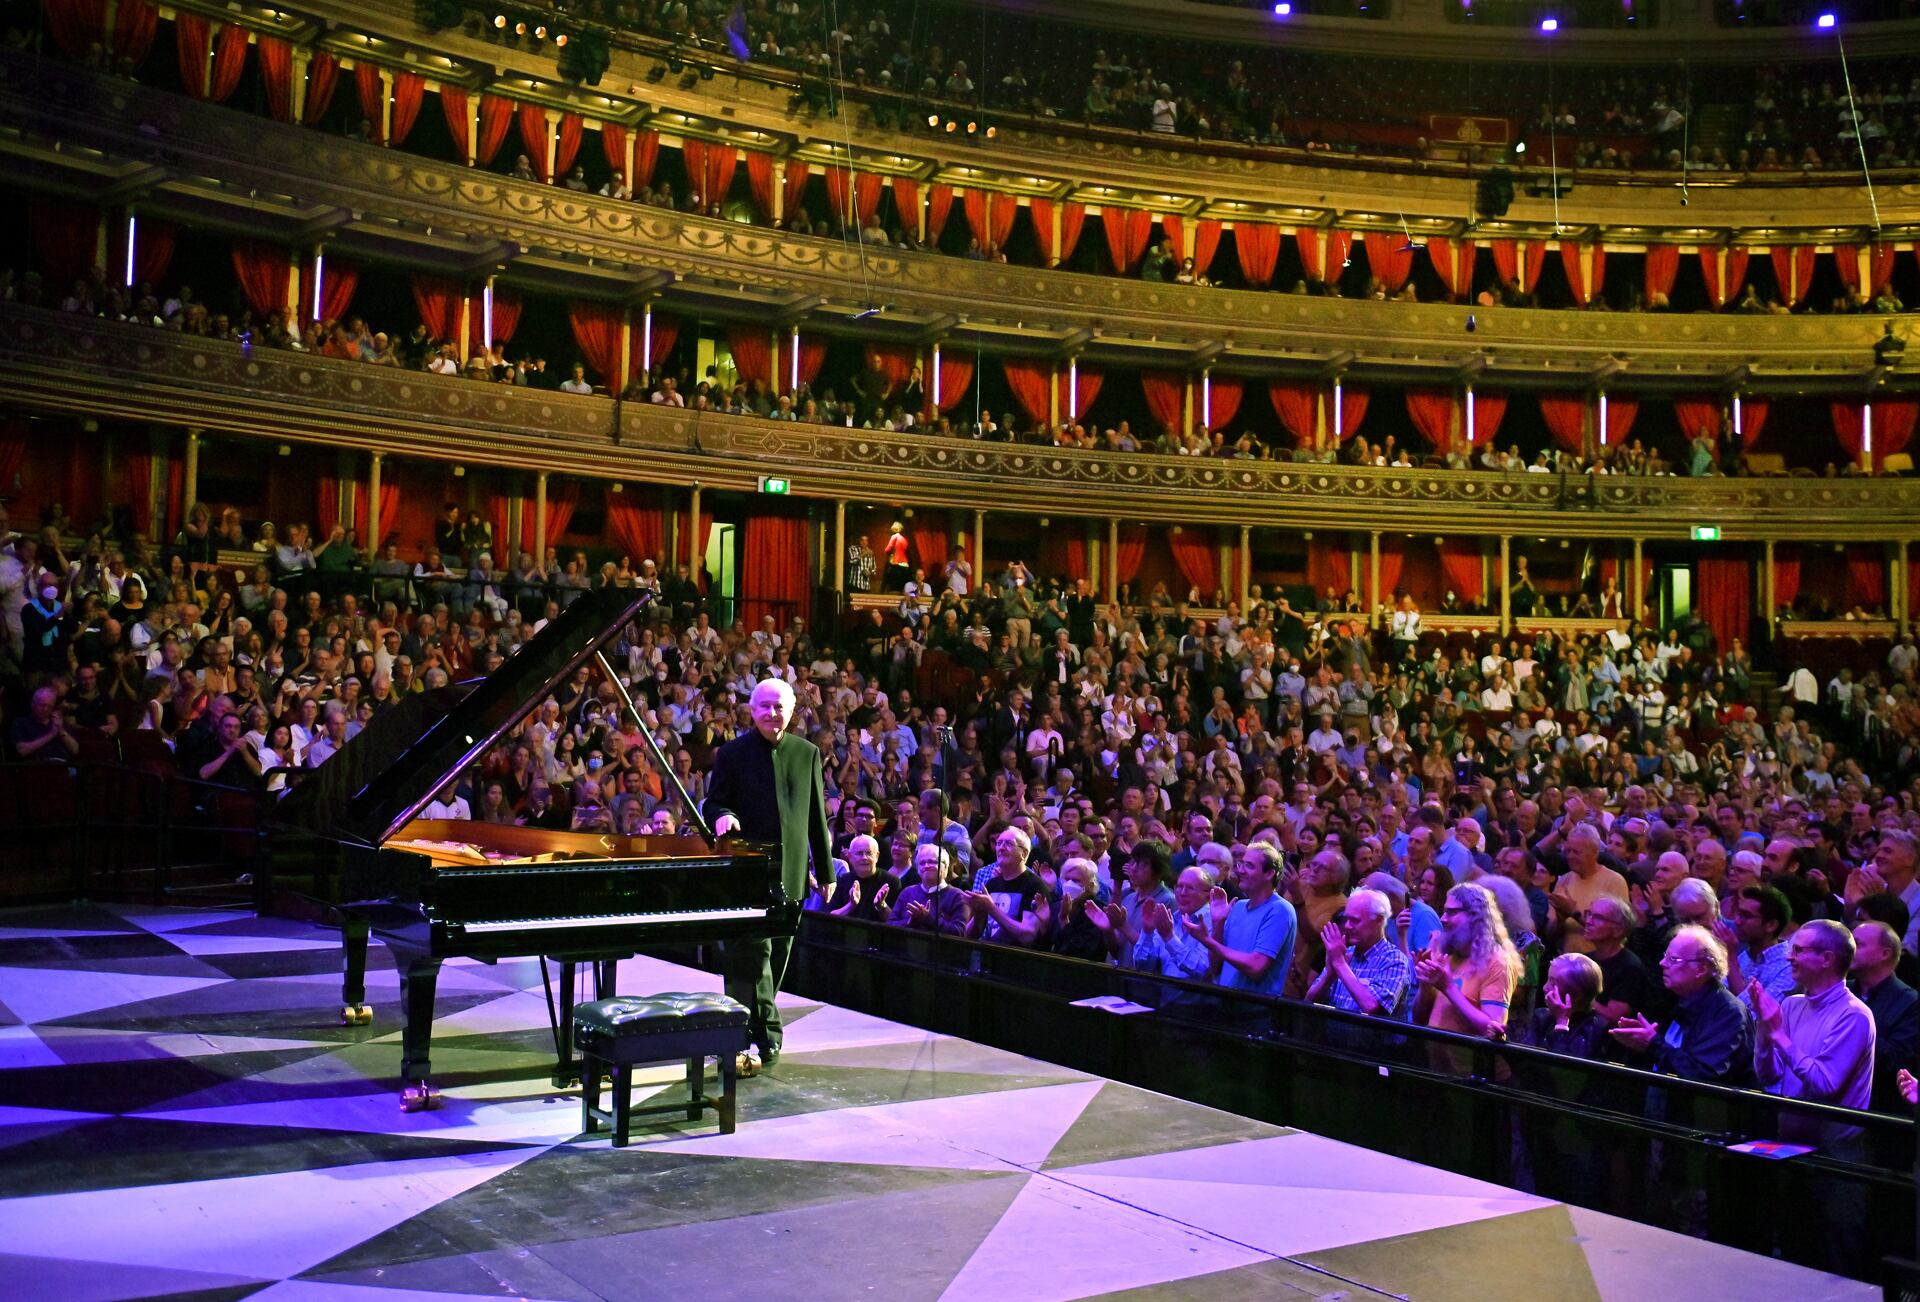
[[898, 571]]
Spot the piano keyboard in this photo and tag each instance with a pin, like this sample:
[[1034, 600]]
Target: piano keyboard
[[610, 920]]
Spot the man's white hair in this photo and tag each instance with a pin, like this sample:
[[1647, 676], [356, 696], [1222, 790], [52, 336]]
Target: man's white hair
[[864, 842], [774, 687], [1024, 841], [1372, 903]]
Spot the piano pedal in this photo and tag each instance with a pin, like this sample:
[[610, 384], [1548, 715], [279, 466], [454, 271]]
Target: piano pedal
[[419, 1097], [356, 1015]]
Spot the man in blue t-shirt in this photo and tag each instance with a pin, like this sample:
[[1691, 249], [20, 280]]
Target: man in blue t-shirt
[[1252, 941]]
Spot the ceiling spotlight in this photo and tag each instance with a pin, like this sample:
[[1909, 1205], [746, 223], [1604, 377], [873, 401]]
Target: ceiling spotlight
[[499, 20], [561, 40], [951, 126], [933, 119], [992, 132], [1825, 22], [1520, 147], [1549, 24], [1282, 10], [540, 33], [972, 127], [519, 29]]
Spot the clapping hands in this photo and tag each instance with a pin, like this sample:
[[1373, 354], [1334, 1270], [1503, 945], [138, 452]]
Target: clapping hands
[[1218, 907], [1336, 942], [1634, 1031]]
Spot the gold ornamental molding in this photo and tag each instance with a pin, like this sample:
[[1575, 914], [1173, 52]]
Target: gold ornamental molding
[[64, 129], [59, 363]]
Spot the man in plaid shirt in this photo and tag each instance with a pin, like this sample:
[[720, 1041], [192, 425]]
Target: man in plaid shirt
[[1365, 972]]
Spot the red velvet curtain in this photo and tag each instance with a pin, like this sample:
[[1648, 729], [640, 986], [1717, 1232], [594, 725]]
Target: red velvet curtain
[[229, 61], [1565, 415], [1663, 264], [1323, 253], [596, 328], [1694, 415], [1131, 551], [646, 153], [1725, 596], [990, 217], [752, 350], [453, 107], [1846, 260], [66, 235], [939, 204], [1063, 554], [1461, 569], [1725, 271], [1073, 218], [1389, 258], [1434, 415], [370, 82], [1507, 262], [1849, 426], [773, 569], [906, 203], [1793, 271], [956, 377], [709, 170], [666, 332], [759, 180], [1029, 381], [1166, 396], [927, 531], [1577, 259], [76, 25], [153, 247], [863, 203], [506, 315], [338, 280], [1786, 576], [1257, 246], [506, 547], [1453, 261], [1893, 422], [1196, 554], [496, 115], [1223, 401], [1128, 230], [1392, 558], [1078, 390], [193, 44], [438, 298], [409, 89], [1329, 563], [323, 75], [1206, 243], [13, 453], [1353, 411], [276, 76], [1753, 419], [813, 355], [134, 27], [567, 144], [637, 526], [533, 138], [1620, 417], [262, 272], [1867, 577], [1489, 409], [1295, 405]]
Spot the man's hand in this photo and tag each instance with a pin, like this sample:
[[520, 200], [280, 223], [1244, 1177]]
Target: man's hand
[[1336, 942], [1864, 881], [725, 825], [979, 902], [1564, 905], [1909, 1087], [1767, 1017], [1218, 907], [1634, 1031], [1155, 917], [919, 914], [1562, 1006], [1103, 919], [1194, 927]]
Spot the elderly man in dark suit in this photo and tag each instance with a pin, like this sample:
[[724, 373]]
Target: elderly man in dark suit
[[767, 786]]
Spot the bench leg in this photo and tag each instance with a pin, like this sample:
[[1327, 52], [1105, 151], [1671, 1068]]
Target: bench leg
[[729, 1074], [696, 1087], [622, 1103], [589, 1096]]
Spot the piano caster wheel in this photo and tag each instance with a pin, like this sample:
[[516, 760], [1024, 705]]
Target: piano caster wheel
[[352, 1015], [419, 1097]]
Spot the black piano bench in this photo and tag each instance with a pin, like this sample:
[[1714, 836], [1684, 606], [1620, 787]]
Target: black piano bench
[[633, 1030]]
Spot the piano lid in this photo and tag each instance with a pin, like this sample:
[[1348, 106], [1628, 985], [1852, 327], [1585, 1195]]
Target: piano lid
[[387, 774]]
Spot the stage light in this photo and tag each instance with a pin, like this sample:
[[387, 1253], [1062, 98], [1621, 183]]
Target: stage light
[[561, 40], [933, 119], [992, 132], [1282, 10], [540, 33], [499, 20], [1549, 24], [1520, 147], [519, 29], [972, 127], [951, 126], [1825, 22]]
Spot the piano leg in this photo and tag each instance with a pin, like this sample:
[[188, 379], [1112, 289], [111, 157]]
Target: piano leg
[[354, 1010], [566, 1067], [419, 978]]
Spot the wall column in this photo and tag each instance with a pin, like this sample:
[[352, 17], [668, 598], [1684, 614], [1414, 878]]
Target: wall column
[[1506, 584], [540, 516], [622, 369], [1638, 585], [1898, 603], [386, 109], [1186, 407], [979, 549], [696, 551], [190, 476], [1113, 558], [1767, 587], [553, 144], [1353, 568], [297, 91], [159, 453], [1053, 402], [1246, 565], [1373, 581], [374, 464], [1059, 210], [840, 546]]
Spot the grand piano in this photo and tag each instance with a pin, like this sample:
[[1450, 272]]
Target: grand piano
[[349, 841]]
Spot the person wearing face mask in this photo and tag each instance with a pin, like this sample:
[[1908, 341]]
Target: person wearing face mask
[[1076, 934], [43, 622]]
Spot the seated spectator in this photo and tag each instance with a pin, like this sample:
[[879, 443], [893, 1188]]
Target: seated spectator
[[932, 903], [862, 891], [1567, 1023]]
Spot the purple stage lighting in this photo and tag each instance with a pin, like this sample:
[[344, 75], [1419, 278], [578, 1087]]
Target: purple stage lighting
[[1549, 24], [1282, 10], [1824, 22]]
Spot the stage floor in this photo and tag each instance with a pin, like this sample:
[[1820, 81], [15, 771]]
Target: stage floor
[[181, 1116]]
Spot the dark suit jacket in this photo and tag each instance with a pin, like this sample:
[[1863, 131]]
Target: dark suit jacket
[[799, 795]]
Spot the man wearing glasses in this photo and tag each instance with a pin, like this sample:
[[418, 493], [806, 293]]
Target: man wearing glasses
[[1365, 973], [1710, 1036]]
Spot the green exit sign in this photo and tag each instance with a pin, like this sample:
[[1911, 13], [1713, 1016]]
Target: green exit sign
[[1706, 533], [775, 484]]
